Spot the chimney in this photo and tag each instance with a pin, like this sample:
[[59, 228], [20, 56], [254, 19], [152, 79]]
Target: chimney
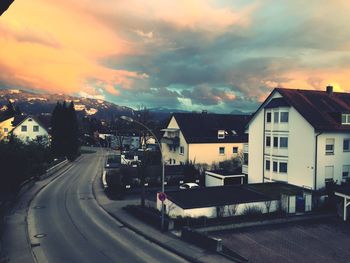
[[329, 90]]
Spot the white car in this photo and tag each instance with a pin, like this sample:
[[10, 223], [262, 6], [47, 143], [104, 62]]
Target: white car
[[189, 186]]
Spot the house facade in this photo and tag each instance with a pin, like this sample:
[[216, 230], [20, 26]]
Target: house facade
[[203, 138], [5, 127], [300, 137], [27, 129]]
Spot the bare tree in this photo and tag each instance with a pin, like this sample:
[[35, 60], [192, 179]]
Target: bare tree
[[268, 205]]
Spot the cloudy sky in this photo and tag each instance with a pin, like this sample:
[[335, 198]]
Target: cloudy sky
[[219, 55]]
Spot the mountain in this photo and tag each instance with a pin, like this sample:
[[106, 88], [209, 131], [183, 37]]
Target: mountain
[[34, 103]]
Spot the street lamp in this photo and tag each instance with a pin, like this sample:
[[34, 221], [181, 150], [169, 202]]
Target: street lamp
[[129, 119]]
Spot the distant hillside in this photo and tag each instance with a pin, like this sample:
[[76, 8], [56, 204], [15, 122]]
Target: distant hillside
[[33, 103]]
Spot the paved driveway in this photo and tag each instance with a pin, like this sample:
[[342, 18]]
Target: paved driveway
[[325, 241]]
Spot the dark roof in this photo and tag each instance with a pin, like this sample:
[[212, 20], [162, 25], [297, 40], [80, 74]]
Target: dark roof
[[215, 196], [277, 102], [5, 116], [342, 189], [321, 109], [20, 118], [203, 127], [237, 171]]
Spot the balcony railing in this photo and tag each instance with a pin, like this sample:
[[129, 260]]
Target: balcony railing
[[245, 169], [245, 148], [174, 141]]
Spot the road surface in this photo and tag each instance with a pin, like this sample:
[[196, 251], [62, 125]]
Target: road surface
[[65, 223]]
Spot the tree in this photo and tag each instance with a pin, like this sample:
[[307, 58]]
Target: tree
[[65, 131]]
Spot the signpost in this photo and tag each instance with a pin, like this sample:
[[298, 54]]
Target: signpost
[[162, 197]]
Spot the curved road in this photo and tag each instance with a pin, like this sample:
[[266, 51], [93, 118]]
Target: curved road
[[65, 223]]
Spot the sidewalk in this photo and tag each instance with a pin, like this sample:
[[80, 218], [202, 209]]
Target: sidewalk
[[14, 243], [166, 240]]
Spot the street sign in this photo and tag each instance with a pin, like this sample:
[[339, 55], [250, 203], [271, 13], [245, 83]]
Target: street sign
[[162, 196]]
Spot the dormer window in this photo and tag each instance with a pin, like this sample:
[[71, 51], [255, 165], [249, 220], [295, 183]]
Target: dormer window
[[221, 134], [345, 119]]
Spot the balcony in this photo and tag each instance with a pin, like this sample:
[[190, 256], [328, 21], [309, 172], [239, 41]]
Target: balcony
[[245, 148], [173, 141], [245, 169]]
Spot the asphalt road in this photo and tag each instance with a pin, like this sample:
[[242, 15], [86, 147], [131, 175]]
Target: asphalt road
[[65, 223]]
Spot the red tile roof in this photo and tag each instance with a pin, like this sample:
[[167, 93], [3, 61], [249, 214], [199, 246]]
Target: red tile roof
[[321, 109]]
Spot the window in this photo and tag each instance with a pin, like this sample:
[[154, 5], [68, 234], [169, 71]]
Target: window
[[284, 116], [275, 117], [169, 161], [221, 150], [221, 134], [267, 165], [346, 145], [268, 117], [274, 167], [234, 149], [345, 119], [6, 129], [35, 128], [283, 167], [24, 128], [283, 142], [328, 173], [174, 161], [329, 146], [275, 142], [182, 150], [346, 171], [268, 141], [30, 120]]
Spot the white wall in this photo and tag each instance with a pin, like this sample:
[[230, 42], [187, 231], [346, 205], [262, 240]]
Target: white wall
[[7, 124], [174, 210], [299, 155], [175, 155], [255, 148], [213, 180], [337, 160], [30, 134], [209, 152]]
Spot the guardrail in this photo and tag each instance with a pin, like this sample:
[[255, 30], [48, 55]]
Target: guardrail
[[54, 169]]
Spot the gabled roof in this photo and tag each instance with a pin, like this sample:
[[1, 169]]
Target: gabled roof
[[321, 109], [19, 119], [204, 127]]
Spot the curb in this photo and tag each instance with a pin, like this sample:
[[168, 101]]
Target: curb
[[144, 235], [25, 187]]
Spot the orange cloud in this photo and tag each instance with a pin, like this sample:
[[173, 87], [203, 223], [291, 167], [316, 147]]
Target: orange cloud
[[47, 46]]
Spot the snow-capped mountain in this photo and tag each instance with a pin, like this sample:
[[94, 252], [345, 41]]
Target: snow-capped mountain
[[34, 103]]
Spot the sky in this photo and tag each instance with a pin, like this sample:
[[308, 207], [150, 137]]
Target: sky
[[215, 55]]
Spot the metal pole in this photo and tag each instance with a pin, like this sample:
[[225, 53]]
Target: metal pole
[[162, 160]]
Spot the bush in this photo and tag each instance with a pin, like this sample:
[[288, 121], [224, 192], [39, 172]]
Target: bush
[[19, 162], [252, 211]]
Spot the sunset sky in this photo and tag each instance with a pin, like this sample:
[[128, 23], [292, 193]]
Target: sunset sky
[[221, 55]]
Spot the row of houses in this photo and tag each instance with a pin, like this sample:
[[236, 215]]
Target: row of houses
[[301, 137], [297, 137]]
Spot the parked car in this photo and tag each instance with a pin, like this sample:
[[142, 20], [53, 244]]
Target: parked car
[[189, 186], [112, 161]]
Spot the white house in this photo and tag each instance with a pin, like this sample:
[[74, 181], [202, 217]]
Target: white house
[[5, 126], [203, 137], [300, 137], [28, 128]]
